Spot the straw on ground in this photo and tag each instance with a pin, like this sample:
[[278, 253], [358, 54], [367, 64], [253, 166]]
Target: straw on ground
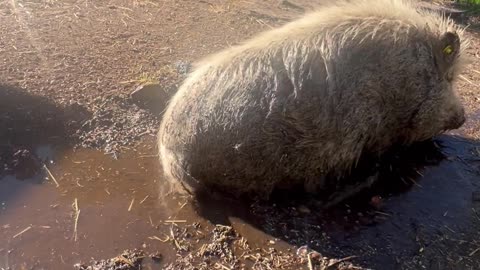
[[50, 175], [77, 214]]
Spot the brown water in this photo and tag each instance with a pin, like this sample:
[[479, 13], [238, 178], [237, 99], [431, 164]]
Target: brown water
[[431, 223], [104, 189]]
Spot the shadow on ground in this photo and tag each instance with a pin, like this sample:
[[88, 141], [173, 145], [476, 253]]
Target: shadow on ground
[[426, 219], [32, 128]]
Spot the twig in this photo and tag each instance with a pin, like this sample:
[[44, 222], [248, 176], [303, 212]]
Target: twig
[[415, 182], [467, 80], [419, 173], [158, 238], [51, 175], [473, 252], [383, 213], [259, 21], [78, 162], [341, 260], [183, 205], [22, 232], [175, 240], [151, 221], [124, 22], [448, 228], [175, 221], [77, 214], [124, 8], [144, 199], [147, 156], [310, 264], [131, 203], [476, 214], [108, 192]]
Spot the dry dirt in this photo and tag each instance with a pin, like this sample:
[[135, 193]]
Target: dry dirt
[[69, 71], [89, 56]]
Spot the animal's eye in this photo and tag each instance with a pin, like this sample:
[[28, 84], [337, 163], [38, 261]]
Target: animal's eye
[[448, 50]]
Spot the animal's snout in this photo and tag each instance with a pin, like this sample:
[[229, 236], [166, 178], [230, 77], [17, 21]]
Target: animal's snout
[[457, 120]]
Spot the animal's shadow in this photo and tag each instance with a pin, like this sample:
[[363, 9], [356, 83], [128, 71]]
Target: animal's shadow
[[32, 128], [420, 185]]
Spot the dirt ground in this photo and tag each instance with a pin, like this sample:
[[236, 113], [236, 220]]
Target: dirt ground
[[79, 173]]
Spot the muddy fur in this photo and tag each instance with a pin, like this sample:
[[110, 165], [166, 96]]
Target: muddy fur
[[301, 104]]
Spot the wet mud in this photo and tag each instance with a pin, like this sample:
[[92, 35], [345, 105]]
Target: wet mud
[[117, 201], [62, 206], [428, 215]]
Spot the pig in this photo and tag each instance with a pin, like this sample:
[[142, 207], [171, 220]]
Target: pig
[[300, 105]]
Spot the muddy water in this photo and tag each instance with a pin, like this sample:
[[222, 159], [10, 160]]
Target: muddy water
[[433, 222], [118, 203]]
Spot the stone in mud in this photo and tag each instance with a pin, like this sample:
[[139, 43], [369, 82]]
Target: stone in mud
[[152, 97], [145, 93]]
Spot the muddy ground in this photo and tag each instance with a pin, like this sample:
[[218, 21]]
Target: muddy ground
[[79, 171]]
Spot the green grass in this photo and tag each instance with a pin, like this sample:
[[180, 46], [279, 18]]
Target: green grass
[[472, 7], [147, 78], [472, 4], [469, 2]]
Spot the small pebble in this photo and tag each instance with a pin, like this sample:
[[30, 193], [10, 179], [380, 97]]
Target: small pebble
[[303, 209], [156, 257]]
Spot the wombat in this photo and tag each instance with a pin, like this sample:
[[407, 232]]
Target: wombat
[[301, 104]]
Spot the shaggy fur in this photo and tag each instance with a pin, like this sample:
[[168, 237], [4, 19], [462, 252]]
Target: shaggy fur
[[308, 99]]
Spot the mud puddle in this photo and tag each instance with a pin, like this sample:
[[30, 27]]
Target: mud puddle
[[86, 208], [118, 209], [428, 217]]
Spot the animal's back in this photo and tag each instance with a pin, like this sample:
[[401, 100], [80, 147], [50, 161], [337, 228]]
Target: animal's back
[[297, 102]]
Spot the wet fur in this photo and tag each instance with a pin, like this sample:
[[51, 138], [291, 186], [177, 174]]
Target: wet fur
[[298, 103]]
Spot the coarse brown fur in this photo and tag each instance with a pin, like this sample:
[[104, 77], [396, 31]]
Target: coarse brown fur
[[308, 99]]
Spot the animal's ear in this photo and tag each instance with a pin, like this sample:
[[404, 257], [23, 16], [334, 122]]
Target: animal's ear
[[450, 47]]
